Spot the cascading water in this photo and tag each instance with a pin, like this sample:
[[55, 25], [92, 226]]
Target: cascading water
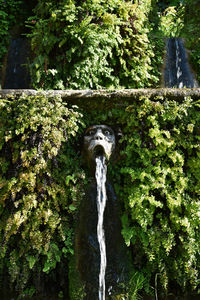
[[17, 75], [177, 70], [101, 170]]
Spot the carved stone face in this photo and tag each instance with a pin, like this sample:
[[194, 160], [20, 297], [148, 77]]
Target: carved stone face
[[99, 140]]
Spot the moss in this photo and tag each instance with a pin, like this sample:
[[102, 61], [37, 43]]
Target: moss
[[76, 287]]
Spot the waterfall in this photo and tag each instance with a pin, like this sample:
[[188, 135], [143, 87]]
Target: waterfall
[[17, 75], [101, 170], [177, 70]]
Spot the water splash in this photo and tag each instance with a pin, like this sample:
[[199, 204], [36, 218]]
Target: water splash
[[101, 170]]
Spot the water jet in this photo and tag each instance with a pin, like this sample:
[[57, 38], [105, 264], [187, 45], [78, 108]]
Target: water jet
[[99, 240]]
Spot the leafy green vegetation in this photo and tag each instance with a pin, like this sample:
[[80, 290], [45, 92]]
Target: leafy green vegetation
[[192, 33], [8, 11], [161, 202], [156, 179], [90, 44], [94, 44], [158, 185], [38, 187], [172, 20], [100, 44], [12, 26]]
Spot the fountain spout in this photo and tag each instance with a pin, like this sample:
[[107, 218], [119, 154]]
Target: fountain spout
[[98, 140], [99, 247], [100, 253]]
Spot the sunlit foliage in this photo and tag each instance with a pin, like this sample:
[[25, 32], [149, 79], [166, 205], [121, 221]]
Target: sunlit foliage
[[93, 44]]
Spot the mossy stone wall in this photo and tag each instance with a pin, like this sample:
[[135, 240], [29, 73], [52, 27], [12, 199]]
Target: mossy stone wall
[[156, 178]]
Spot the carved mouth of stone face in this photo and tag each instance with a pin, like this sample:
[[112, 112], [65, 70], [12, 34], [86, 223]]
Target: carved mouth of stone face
[[99, 151]]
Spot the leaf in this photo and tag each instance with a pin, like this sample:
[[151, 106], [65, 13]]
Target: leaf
[[31, 260], [72, 207]]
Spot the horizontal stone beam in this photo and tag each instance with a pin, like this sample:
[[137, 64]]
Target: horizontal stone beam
[[126, 94]]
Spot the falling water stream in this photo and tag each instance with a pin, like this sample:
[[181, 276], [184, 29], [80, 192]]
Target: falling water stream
[[101, 170], [178, 72], [17, 75]]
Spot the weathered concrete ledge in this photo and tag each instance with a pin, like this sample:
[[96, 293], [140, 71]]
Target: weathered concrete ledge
[[126, 94]]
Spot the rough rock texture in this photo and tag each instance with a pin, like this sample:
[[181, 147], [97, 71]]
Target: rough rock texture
[[75, 96]]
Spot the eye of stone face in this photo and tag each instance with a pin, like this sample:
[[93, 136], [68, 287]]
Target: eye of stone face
[[91, 132], [107, 132]]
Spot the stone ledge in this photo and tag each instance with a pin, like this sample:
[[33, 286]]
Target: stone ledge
[[126, 94]]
